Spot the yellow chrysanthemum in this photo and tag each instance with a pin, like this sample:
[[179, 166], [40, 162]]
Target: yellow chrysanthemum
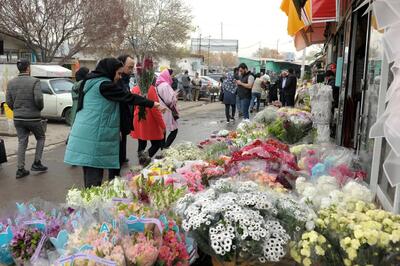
[[306, 262], [319, 250]]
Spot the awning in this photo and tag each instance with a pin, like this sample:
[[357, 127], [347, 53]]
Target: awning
[[308, 26], [323, 10], [310, 35]]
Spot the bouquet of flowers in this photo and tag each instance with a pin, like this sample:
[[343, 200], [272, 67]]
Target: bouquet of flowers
[[237, 222], [95, 197], [25, 243], [271, 156], [156, 193], [291, 125], [99, 240], [335, 161], [184, 152], [267, 116], [247, 132], [145, 74], [354, 234], [173, 249], [327, 191], [140, 249]]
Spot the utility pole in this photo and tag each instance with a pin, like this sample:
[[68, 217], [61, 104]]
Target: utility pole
[[277, 46], [303, 64], [200, 44], [209, 46], [222, 30]]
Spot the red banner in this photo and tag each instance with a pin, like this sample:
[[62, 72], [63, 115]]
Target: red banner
[[323, 10]]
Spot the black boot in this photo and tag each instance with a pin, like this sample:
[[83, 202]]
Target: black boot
[[38, 167], [21, 173]]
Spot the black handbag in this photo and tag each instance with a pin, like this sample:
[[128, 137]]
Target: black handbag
[[3, 155], [173, 110], [221, 95]]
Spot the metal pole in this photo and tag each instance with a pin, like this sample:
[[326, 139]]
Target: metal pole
[[200, 44], [209, 44], [303, 64]]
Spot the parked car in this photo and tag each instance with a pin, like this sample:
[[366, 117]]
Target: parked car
[[204, 90], [57, 98], [213, 86], [216, 76]]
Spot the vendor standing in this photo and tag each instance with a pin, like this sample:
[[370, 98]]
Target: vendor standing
[[95, 136]]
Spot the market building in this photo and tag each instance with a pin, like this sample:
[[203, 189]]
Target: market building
[[353, 45]]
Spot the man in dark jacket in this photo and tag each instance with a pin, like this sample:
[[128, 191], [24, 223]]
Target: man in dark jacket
[[289, 88], [25, 98], [125, 109], [245, 84]]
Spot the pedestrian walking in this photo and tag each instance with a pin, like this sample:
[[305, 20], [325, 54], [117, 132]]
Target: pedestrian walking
[[289, 89], [196, 82], [24, 97], [281, 87], [256, 93], [80, 75], [95, 135], [238, 106], [245, 85], [169, 100], [186, 86], [150, 129], [229, 89]]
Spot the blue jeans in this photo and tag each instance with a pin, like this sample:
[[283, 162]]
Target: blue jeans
[[238, 106], [245, 105], [254, 96]]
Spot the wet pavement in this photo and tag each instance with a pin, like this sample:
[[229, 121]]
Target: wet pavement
[[196, 124]]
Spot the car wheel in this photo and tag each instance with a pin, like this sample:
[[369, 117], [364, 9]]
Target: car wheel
[[67, 116]]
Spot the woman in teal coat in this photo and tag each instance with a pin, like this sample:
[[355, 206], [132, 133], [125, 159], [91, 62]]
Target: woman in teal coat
[[95, 134]]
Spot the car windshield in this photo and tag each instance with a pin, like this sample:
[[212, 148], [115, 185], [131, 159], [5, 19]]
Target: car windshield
[[61, 85]]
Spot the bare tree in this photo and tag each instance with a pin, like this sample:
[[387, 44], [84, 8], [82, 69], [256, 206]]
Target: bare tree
[[157, 27], [63, 28], [267, 53]]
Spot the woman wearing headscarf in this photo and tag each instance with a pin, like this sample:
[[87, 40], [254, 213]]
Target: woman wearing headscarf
[[95, 135], [229, 88], [168, 100]]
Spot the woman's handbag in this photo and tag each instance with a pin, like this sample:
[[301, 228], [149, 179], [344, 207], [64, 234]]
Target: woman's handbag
[[3, 155], [221, 95], [173, 110]]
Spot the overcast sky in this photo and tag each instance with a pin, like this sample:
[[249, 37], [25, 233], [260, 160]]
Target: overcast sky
[[254, 23]]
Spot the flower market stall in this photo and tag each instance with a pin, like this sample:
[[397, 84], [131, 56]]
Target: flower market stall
[[263, 194]]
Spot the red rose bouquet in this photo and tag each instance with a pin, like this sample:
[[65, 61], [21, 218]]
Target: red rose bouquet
[[145, 78]]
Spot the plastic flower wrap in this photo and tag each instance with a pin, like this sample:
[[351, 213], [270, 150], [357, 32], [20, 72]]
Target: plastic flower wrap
[[95, 197], [156, 193], [247, 132], [237, 222], [6, 236], [291, 125], [140, 250], [25, 243], [353, 234], [336, 161], [303, 101], [266, 116], [173, 249], [184, 152], [98, 240], [271, 156], [327, 191]]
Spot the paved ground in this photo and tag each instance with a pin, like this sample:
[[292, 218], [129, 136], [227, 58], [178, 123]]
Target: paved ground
[[196, 124], [57, 133]]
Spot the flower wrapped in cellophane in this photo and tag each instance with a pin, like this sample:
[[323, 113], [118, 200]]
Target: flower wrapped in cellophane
[[96, 197], [184, 152], [270, 156], [239, 221]]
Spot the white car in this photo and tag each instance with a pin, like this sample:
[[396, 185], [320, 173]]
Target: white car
[[57, 98]]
